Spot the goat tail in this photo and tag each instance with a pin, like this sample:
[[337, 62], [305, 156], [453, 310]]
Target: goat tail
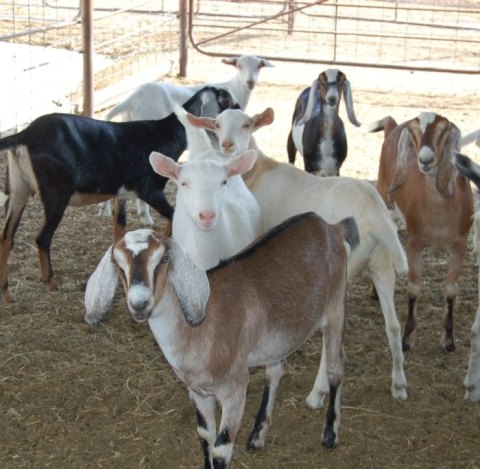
[[471, 137], [349, 229], [387, 124], [118, 109]]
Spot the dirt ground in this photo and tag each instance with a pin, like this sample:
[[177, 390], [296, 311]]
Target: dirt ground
[[77, 396]]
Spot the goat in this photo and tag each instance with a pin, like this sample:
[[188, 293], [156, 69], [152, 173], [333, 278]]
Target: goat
[[213, 326], [283, 190], [471, 170], [417, 175], [317, 131], [215, 216], [155, 100], [76, 160]]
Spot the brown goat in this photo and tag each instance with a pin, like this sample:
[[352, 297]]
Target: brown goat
[[417, 174], [254, 309]]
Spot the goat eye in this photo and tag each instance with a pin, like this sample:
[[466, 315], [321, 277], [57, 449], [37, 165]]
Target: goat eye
[[245, 126], [217, 125], [165, 259], [224, 182], [184, 184]]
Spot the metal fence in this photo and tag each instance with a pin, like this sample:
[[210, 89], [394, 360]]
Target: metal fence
[[441, 35]]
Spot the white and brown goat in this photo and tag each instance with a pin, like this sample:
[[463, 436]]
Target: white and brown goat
[[317, 130], [417, 175], [213, 326]]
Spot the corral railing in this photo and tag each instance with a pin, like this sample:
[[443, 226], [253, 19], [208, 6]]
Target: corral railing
[[441, 35], [41, 45]]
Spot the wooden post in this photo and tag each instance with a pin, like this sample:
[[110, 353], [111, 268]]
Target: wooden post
[[183, 14], [87, 33]]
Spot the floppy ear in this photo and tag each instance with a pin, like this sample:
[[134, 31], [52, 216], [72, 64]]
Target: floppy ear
[[347, 93], [447, 171], [405, 146], [313, 96], [264, 63], [190, 284], [100, 289]]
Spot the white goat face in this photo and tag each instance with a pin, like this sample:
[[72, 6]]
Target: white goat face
[[233, 130], [201, 189], [248, 67], [137, 274]]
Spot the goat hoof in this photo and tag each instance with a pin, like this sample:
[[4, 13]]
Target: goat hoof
[[52, 285], [406, 347], [329, 439], [449, 347]]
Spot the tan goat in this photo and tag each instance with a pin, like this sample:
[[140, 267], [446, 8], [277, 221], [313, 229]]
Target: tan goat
[[253, 309], [417, 175]]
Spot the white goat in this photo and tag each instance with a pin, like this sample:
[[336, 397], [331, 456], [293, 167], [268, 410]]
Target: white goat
[[215, 216], [471, 170], [157, 100], [213, 326], [283, 190]]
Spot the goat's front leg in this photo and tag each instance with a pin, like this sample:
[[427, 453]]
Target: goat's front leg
[[263, 421], [233, 406], [455, 261], [206, 425], [472, 380], [415, 267], [291, 149]]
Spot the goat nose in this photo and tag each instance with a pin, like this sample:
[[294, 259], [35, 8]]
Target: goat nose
[[250, 84], [206, 218], [227, 145], [139, 305], [332, 100]]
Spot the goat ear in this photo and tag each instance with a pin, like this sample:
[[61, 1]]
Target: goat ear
[[312, 97], [265, 118], [101, 287], [241, 163], [447, 171], [164, 166], [201, 122], [264, 63], [230, 61], [401, 165], [347, 93], [190, 284]]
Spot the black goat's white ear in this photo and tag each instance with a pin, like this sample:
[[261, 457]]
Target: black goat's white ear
[[100, 290], [313, 96], [190, 284]]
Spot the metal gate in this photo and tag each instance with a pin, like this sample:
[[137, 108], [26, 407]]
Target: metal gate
[[439, 36]]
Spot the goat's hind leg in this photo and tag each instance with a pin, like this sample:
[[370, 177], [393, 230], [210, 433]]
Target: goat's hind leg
[[383, 278], [54, 206], [472, 379], [206, 425], [263, 421], [291, 149], [14, 208]]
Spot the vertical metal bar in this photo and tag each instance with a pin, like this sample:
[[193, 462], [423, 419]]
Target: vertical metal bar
[[87, 32], [182, 10]]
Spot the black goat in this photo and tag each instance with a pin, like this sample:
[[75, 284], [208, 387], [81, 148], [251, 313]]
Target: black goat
[[76, 160]]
